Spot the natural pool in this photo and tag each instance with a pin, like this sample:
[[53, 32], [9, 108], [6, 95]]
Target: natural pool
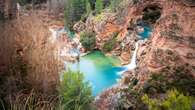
[[146, 33], [101, 71]]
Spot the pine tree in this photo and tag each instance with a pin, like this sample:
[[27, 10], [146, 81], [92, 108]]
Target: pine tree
[[75, 93], [74, 10], [99, 6], [88, 7], [114, 4]]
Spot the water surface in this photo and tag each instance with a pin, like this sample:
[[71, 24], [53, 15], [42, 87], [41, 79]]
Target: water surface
[[100, 70], [146, 33]]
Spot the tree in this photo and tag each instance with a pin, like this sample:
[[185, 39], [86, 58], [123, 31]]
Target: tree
[[74, 10], [88, 40], [114, 4], [173, 101], [75, 93], [99, 6], [88, 7], [110, 44]]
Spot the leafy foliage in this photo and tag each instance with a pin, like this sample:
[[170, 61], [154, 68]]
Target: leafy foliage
[[75, 93], [173, 101], [88, 8], [74, 10], [179, 79], [99, 5], [114, 4], [109, 45], [88, 40]]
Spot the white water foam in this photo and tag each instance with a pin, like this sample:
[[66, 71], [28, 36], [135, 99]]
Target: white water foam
[[132, 65]]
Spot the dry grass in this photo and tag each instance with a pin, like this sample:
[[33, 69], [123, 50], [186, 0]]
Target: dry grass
[[27, 58], [34, 101]]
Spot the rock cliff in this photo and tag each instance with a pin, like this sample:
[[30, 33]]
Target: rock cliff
[[172, 43], [173, 38]]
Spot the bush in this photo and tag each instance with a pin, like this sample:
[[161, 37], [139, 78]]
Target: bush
[[173, 101], [88, 40], [114, 4], [75, 93], [109, 45], [179, 79]]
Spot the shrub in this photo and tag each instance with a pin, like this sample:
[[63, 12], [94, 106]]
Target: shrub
[[99, 17], [88, 40], [75, 93], [173, 101], [114, 4], [109, 45], [179, 79]]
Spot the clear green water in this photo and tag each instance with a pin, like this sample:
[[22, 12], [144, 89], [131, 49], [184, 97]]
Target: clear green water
[[146, 33], [100, 70]]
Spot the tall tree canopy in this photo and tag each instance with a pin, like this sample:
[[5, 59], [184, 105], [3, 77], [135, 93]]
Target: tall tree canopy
[[74, 10]]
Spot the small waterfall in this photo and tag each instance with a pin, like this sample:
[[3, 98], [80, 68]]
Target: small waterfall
[[54, 35], [132, 64]]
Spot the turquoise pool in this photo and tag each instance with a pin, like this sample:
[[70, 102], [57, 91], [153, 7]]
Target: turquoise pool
[[146, 33], [101, 71]]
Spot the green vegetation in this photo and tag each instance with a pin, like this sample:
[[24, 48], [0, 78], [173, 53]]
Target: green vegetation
[[88, 40], [75, 10], [22, 2], [88, 8], [75, 93], [179, 79], [109, 45], [99, 6], [114, 4], [173, 101], [99, 17]]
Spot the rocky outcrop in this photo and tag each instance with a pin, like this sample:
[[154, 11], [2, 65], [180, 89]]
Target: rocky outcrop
[[79, 26], [173, 31], [189, 2], [172, 41]]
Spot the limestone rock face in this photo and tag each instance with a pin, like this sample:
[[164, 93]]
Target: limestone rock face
[[79, 26], [172, 43], [189, 2], [174, 31]]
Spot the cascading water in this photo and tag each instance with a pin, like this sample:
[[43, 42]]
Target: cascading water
[[132, 65], [147, 30]]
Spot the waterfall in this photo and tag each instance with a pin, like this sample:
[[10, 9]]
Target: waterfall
[[54, 34], [132, 65]]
